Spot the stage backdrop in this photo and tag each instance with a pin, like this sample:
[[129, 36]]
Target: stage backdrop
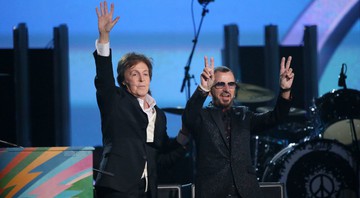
[[164, 30]]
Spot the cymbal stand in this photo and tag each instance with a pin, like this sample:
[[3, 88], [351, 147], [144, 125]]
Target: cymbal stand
[[187, 77], [354, 141], [357, 153]]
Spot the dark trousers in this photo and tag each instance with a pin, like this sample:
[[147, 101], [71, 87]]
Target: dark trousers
[[135, 192], [233, 193]]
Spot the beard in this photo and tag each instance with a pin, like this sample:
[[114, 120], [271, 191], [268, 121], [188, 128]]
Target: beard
[[224, 100]]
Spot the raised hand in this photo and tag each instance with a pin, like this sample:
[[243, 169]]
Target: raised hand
[[286, 73], [105, 21], [207, 76], [286, 76]]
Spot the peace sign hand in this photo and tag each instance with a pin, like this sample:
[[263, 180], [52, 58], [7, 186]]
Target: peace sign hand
[[286, 74], [207, 76]]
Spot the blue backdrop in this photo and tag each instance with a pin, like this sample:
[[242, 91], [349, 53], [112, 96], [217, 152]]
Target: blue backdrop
[[164, 31]]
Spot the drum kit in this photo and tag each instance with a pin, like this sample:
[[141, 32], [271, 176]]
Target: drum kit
[[316, 152], [314, 156]]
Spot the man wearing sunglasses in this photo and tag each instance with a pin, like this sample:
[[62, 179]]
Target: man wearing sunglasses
[[222, 132]]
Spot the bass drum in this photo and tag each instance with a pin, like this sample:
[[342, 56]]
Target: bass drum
[[334, 111], [316, 168]]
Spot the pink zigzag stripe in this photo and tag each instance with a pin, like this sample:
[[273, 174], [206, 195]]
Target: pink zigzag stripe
[[79, 178]]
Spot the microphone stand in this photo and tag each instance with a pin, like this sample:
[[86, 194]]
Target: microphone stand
[[10, 144], [357, 150], [187, 77]]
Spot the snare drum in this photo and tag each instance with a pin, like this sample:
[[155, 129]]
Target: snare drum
[[333, 113], [316, 168]]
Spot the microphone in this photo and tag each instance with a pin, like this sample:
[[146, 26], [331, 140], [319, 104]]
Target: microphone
[[342, 76], [204, 2]]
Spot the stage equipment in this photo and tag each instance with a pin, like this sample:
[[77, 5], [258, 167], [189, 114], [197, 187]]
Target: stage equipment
[[334, 113], [270, 189], [203, 2], [35, 105], [337, 116], [248, 93], [174, 110], [187, 76], [263, 149], [315, 168], [292, 112], [175, 191], [46, 172]]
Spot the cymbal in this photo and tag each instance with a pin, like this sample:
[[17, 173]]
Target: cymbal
[[292, 112], [248, 93], [174, 110]]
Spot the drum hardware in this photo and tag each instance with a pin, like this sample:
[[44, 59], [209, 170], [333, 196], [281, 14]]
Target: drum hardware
[[292, 112], [263, 148], [342, 83], [294, 128]]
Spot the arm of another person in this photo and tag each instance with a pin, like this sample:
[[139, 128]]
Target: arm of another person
[[173, 149], [194, 105]]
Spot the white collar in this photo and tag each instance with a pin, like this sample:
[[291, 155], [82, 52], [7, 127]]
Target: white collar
[[150, 100]]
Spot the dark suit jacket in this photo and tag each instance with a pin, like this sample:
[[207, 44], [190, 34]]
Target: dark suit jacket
[[218, 163], [123, 125]]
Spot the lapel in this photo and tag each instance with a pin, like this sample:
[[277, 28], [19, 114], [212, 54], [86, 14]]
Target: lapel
[[216, 115], [141, 114], [158, 127]]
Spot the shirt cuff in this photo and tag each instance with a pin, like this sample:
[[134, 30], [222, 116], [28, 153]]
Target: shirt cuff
[[103, 49], [203, 88]]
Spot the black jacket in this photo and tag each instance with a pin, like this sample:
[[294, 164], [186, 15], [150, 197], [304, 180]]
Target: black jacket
[[220, 164], [123, 125]]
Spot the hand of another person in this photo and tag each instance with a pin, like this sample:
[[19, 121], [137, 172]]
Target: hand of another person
[[286, 77], [105, 21], [184, 137], [207, 76], [286, 74]]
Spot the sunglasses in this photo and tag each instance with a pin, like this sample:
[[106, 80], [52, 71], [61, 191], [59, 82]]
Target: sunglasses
[[221, 85]]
